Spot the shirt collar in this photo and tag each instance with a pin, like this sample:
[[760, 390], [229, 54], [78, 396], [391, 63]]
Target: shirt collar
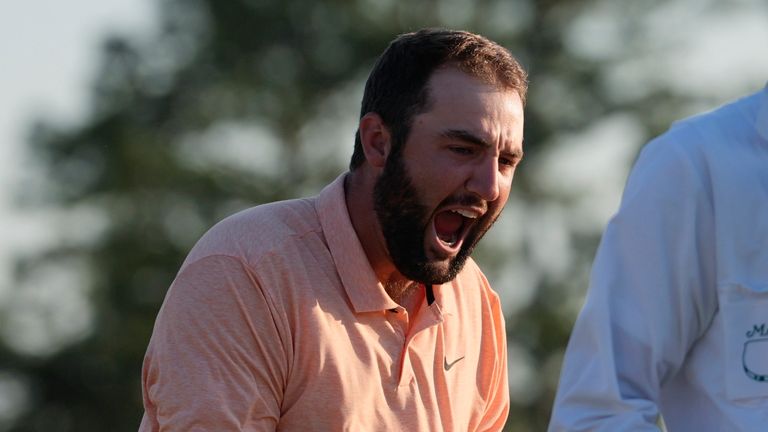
[[762, 115], [364, 290]]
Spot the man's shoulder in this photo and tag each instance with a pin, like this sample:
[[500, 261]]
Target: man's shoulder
[[471, 297], [719, 128], [471, 279], [703, 139], [253, 232], [471, 269]]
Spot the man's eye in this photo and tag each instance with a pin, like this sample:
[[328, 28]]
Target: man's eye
[[506, 161], [461, 150]]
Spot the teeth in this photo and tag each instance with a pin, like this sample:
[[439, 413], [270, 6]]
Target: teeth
[[449, 241], [465, 213]]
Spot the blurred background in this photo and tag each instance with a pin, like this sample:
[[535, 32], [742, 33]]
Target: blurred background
[[128, 127]]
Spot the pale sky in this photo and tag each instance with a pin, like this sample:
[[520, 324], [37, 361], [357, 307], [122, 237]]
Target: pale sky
[[49, 50]]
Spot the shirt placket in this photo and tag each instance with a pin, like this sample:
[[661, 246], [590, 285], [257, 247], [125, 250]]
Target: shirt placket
[[427, 317]]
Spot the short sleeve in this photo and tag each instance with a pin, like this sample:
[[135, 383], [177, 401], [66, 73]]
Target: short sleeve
[[217, 359]]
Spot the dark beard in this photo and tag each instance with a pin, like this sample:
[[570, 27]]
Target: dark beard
[[404, 221]]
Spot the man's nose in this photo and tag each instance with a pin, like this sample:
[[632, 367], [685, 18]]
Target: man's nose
[[484, 180]]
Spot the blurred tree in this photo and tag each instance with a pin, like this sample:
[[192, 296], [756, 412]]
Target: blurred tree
[[225, 108]]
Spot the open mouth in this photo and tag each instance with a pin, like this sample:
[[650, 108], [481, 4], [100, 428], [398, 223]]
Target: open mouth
[[452, 225]]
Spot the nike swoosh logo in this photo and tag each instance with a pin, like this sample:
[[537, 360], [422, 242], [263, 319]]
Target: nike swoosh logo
[[448, 366]]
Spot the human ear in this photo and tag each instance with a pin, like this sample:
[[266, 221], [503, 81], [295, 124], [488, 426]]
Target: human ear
[[375, 139]]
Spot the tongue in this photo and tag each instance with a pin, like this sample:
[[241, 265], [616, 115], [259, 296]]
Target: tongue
[[447, 223]]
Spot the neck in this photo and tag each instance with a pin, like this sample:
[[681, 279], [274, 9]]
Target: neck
[[400, 290], [358, 187], [407, 294]]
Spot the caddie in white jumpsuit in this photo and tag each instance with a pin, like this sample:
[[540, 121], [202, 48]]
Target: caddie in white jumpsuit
[[676, 317]]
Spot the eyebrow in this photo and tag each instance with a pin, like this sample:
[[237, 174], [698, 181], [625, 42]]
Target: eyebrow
[[465, 135], [469, 137]]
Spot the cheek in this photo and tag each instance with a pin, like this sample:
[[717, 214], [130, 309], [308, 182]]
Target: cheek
[[432, 187], [498, 205], [505, 186]]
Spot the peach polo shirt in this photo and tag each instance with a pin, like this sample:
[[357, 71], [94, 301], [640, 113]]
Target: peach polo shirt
[[276, 321]]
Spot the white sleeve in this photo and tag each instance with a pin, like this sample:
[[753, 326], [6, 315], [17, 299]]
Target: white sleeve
[[651, 296]]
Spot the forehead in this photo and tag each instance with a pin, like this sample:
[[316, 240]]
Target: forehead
[[450, 84], [460, 101]]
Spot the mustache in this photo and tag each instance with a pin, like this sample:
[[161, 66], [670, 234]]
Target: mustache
[[466, 200]]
